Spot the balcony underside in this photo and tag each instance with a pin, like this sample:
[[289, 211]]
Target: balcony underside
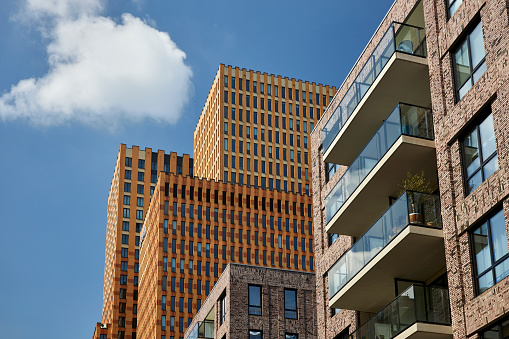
[[426, 331], [371, 199], [416, 254], [405, 79]]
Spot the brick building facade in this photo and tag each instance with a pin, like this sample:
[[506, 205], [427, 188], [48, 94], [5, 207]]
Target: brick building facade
[[443, 251], [254, 302]]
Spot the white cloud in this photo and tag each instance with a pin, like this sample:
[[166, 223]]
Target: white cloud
[[100, 72]]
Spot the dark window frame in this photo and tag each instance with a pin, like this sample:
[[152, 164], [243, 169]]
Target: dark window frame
[[475, 126], [494, 263]]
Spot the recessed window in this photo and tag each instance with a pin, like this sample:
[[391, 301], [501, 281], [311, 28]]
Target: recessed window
[[255, 300], [499, 331], [291, 336], [222, 305], [290, 304], [479, 154], [491, 252], [469, 61]]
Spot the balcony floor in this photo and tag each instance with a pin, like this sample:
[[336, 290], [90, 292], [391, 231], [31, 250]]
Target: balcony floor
[[371, 199], [405, 79], [426, 331], [416, 254]]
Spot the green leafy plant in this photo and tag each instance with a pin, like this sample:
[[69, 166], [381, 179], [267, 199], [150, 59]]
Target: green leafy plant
[[415, 182]]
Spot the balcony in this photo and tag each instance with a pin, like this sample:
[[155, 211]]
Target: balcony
[[405, 243], [202, 330], [418, 312], [403, 143], [396, 71]]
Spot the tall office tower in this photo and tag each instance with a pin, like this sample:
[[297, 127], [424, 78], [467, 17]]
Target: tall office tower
[[133, 183], [195, 227], [417, 139], [254, 129], [259, 137]]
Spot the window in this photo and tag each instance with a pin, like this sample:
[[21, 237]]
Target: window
[[291, 336], [290, 304], [222, 306], [123, 279], [469, 61], [479, 154], [255, 300], [499, 331], [453, 5], [491, 252], [255, 334]]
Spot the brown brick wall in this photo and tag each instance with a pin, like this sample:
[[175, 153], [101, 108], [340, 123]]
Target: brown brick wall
[[462, 212], [235, 281]]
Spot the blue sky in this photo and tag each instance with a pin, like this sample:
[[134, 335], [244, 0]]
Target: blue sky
[[58, 144]]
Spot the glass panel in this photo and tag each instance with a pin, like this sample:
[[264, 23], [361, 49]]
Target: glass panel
[[411, 120], [502, 270], [485, 281], [424, 208], [487, 137], [482, 249], [479, 71], [490, 167], [417, 303], [471, 144], [498, 235], [408, 39], [462, 64], [464, 89], [454, 6], [474, 182], [477, 45], [255, 335]]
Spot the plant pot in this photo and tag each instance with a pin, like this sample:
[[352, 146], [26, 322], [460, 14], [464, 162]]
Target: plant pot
[[415, 218]]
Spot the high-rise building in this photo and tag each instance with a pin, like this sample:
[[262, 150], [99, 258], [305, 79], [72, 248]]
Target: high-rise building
[[409, 179], [133, 184], [257, 302], [195, 227], [251, 172], [254, 129]]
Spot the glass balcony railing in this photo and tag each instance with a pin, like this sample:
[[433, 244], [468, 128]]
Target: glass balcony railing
[[404, 119], [411, 208], [416, 304], [202, 329], [399, 37]]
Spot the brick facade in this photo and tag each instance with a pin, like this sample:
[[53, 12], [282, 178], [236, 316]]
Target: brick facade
[[461, 212], [234, 283]]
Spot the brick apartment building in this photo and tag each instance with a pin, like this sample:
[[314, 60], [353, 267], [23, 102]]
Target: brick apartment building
[[251, 159], [257, 302], [410, 174]]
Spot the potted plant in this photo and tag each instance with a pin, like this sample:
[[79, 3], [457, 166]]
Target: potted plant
[[418, 183]]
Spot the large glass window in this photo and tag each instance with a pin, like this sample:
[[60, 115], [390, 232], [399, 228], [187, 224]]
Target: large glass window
[[491, 252], [469, 61], [255, 300], [479, 154], [290, 304]]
